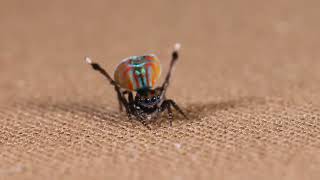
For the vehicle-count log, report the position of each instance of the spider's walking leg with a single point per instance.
(174, 58)
(141, 119)
(144, 122)
(131, 104)
(170, 115)
(167, 106)
(130, 99)
(117, 88)
(120, 103)
(170, 101)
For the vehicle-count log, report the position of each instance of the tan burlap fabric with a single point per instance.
(248, 77)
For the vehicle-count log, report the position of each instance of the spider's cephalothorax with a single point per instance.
(148, 99)
(138, 74)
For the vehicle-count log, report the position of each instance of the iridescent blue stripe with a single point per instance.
(137, 65)
(141, 83)
(145, 80)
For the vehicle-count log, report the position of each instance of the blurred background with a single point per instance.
(231, 50)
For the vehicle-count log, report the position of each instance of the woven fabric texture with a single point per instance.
(248, 78)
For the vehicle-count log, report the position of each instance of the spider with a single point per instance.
(138, 74)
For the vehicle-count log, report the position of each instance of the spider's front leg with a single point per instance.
(174, 58)
(122, 100)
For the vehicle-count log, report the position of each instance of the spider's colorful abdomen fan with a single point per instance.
(138, 72)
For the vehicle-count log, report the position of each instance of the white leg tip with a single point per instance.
(88, 60)
(177, 46)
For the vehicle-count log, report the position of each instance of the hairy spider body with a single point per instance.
(139, 74)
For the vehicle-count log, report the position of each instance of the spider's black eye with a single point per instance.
(154, 99)
(158, 97)
(147, 100)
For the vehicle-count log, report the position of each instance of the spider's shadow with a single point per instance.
(111, 116)
(197, 111)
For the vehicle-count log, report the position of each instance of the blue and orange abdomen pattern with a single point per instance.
(138, 72)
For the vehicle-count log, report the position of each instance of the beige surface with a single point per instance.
(248, 77)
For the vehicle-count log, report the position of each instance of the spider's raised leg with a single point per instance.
(117, 88)
(174, 58)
